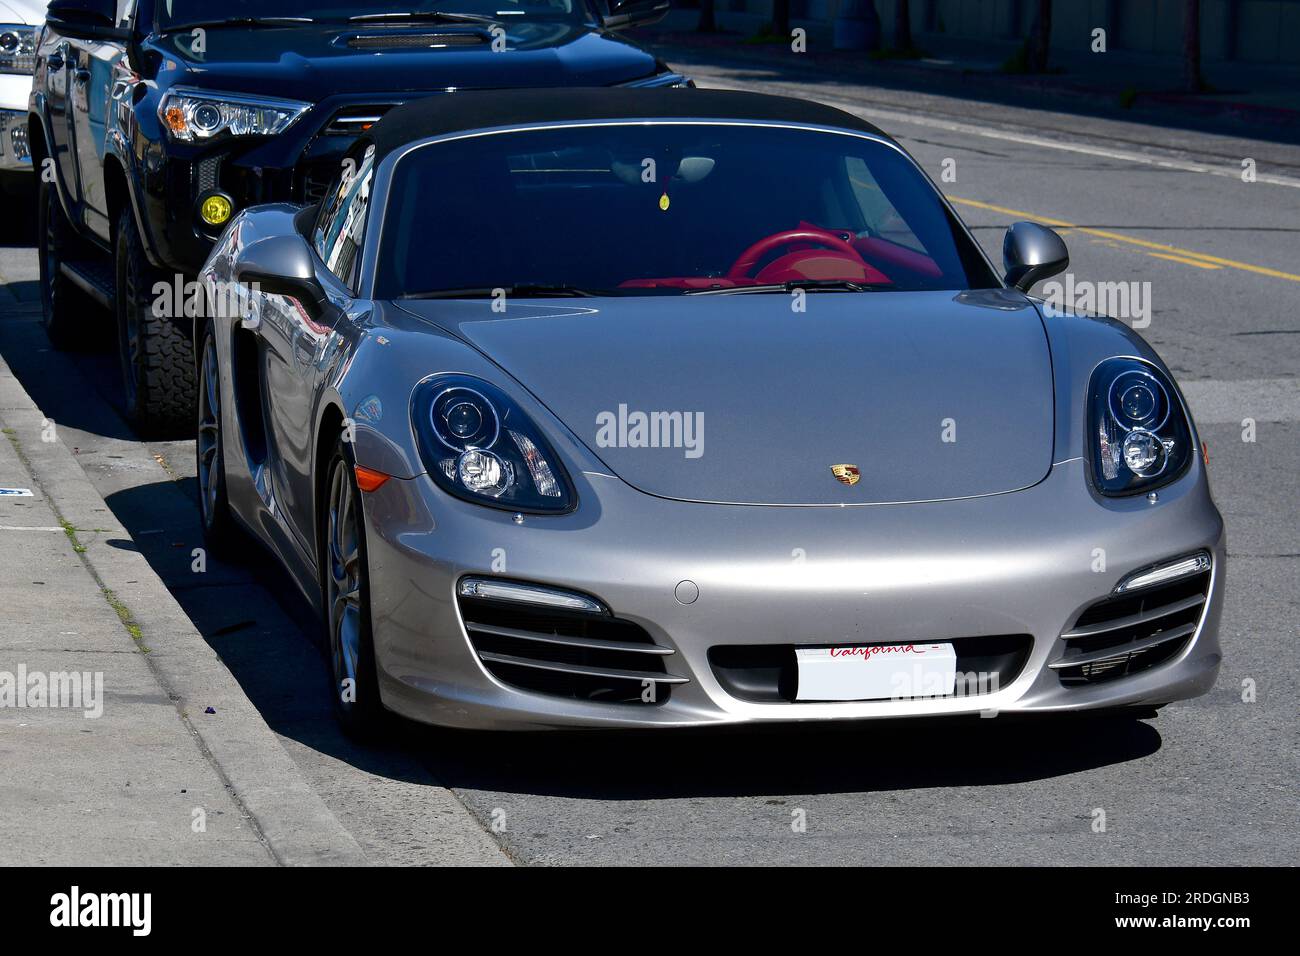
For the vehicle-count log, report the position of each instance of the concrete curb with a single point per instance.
(294, 823)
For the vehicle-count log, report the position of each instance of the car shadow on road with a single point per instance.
(863, 756)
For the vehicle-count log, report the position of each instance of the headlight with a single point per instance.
(189, 115)
(478, 445)
(1139, 435)
(17, 49)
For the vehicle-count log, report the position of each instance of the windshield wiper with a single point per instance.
(416, 15)
(523, 291)
(238, 22)
(810, 285)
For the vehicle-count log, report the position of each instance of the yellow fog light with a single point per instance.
(215, 209)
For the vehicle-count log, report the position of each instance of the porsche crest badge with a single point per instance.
(848, 474)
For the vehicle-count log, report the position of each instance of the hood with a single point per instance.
(931, 396)
(313, 62)
(22, 11)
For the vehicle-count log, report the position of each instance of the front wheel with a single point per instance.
(346, 591)
(156, 351)
(219, 531)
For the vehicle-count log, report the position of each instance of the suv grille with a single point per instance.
(568, 654)
(1128, 633)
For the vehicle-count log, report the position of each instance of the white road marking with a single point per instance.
(968, 129)
(1218, 402)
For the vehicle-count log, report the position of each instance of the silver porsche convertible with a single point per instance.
(666, 408)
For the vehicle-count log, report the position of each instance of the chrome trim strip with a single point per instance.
(1142, 617)
(565, 640)
(1126, 650)
(581, 669)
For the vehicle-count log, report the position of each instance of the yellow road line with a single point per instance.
(1131, 240)
(1184, 260)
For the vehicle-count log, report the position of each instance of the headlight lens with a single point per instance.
(1138, 432)
(17, 49)
(478, 445)
(190, 116)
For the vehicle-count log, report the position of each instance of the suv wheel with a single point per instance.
(68, 313)
(157, 352)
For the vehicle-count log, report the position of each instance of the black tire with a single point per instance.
(220, 533)
(351, 651)
(72, 319)
(156, 352)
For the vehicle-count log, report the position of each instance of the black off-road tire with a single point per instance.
(159, 377)
(72, 319)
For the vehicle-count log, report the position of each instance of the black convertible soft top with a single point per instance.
(445, 113)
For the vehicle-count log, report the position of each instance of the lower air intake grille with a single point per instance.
(576, 655)
(1128, 633)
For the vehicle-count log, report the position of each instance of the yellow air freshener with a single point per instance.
(663, 202)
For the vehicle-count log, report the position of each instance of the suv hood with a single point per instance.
(22, 11)
(867, 379)
(312, 62)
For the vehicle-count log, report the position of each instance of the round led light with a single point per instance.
(464, 419)
(216, 209)
(207, 118)
(1144, 454)
(483, 472)
(1138, 403)
(8, 42)
(1138, 400)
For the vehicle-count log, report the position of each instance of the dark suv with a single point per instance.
(155, 121)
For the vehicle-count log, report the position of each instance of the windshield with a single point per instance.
(177, 13)
(668, 209)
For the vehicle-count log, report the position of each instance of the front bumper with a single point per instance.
(14, 153)
(1013, 564)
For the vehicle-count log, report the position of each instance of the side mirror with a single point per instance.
(283, 265)
(634, 13)
(86, 20)
(1031, 253)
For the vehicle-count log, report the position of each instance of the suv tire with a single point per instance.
(156, 352)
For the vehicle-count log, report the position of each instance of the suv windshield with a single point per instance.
(178, 13)
(668, 208)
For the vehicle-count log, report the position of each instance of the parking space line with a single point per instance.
(1184, 260)
(1131, 240)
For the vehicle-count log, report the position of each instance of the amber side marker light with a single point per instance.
(369, 480)
(1205, 454)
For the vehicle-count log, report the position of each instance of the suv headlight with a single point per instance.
(17, 49)
(478, 445)
(1139, 435)
(190, 115)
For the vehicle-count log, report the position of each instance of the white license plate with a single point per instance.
(876, 672)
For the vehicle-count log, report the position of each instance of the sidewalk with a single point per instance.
(163, 763)
(1245, 96)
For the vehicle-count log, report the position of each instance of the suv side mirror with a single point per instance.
(283, 265)
(634, 13)
(1030, 253)
(86, 20)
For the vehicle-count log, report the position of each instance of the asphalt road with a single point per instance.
(1210, 781)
